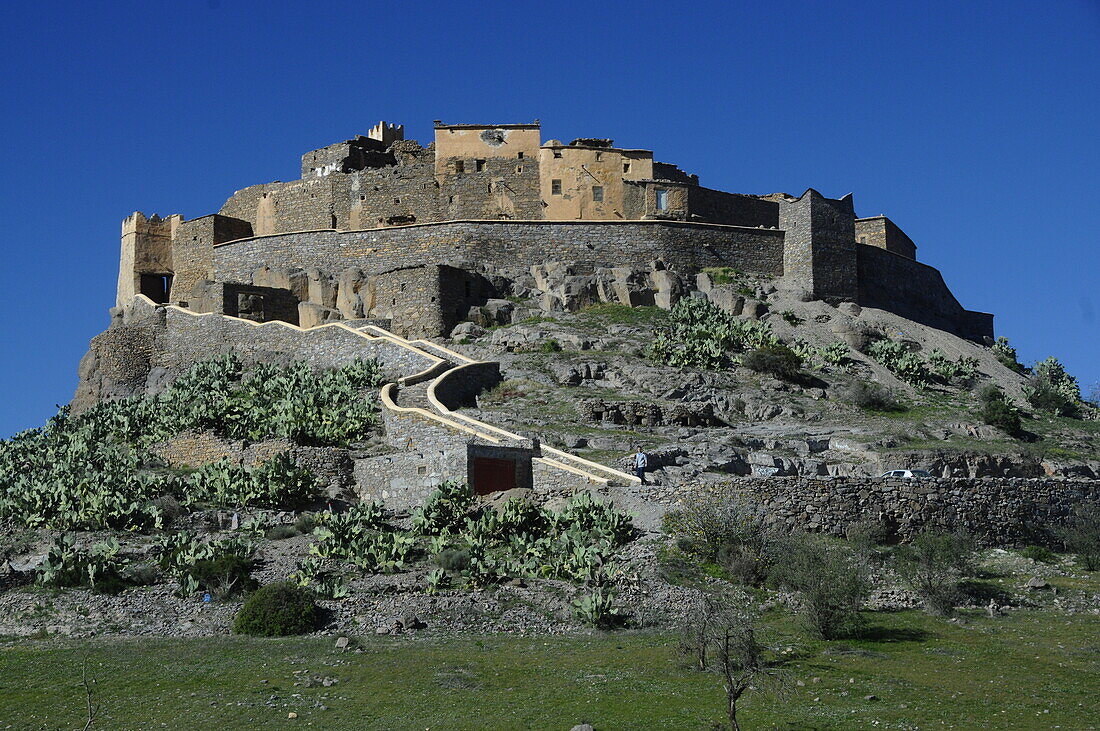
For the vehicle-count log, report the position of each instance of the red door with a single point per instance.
(493, 475)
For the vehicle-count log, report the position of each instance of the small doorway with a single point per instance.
(156, 287)
(493, 475)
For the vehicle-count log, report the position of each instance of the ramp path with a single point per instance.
(420, 393)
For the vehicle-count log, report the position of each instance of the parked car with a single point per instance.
(908, 474)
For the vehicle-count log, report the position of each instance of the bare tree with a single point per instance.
(89, 683)
(722, 636)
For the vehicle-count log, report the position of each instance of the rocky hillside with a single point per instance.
(743, 377)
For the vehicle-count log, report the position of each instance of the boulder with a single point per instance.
(312, 315)
(467, 330)
(348, 298)
(320, 289)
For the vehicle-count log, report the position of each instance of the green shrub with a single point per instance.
(199, 564)
(96, 470)
(67, 566)
(453, 559)
(445, 510)
(872, 396)
(791, 319)
(224, 575)
(729, 532)
(1005, 353)
(550, 346)
(1080, 533)
(900, 361)
(277, 610)
(777, 360)
(867, 535)
(279, 484)
(282, 532)
(598, 608)
(1052, 389)
(996, 411)
(932, 565)
(698, 334)
(963, 369)
(1042, 554)
(833, 584)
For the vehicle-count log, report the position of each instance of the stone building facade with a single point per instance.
(382, 227)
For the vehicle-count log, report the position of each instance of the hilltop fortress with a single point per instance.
(415, 238)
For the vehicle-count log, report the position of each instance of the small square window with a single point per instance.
(662, 200)
(460, 166)
(519, 168)
(555, 187)
(557, 153)
(597, 193)
(479, 165)
(599, 156)
(396, 200)
(422, 470)
(519, 156)
(626, 167)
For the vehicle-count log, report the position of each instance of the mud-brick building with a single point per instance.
(383, 228)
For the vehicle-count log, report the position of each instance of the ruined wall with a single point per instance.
(715, 206)
(411, 298)
(995, 511)
(917, 292)
(509, 244)
(342, 157)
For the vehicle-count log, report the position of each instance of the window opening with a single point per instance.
(597, 193)
(626, 167)
(555, 187)
(662, 200)
(460, 166)
(479, 165)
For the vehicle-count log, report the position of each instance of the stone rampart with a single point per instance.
(994, 511)
(508, 244)
(915, 291)
(192, 338)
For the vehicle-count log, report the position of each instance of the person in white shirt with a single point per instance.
(641, 461)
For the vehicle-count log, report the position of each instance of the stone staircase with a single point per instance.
(418, 393)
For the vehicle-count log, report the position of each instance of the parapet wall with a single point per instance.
(993, 511)
(915, 291)
(508, 244)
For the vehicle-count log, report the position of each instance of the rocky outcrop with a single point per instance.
(639, 413)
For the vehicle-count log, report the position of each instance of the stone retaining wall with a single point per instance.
(508, 244)
(995, 511)
(190, 339)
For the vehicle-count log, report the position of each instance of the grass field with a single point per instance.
(1031, 669)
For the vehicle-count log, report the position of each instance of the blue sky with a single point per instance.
(974, 126)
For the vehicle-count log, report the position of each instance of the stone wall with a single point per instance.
(190, 338)
(195, 449)
(994, 511)
(147, 346)
(715, 206)
(460, 386)
(509, 244)
(915, 291)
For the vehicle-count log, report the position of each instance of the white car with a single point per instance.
(908, 474)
